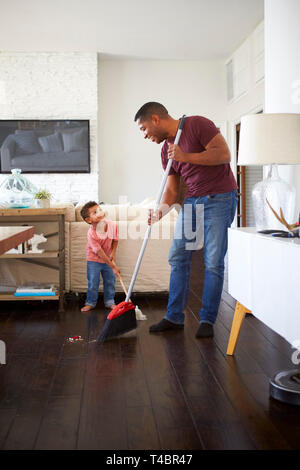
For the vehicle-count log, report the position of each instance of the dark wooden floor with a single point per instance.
(166, 391)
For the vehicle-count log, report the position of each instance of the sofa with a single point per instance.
(131, 221)
(41, 150)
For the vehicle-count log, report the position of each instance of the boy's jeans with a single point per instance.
(207, 218)
(93, 275)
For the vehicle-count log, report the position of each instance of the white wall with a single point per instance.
(282, 69)
(53, 86)
(251, 54)
(128, 164)
(282, 60)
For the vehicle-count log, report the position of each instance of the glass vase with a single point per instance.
(16, 191)
(279, 194)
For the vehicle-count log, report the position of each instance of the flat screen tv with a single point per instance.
(52, 146)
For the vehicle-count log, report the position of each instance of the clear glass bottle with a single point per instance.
(16, 191)
(280, 195)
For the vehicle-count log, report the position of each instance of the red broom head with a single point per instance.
(119, 321)
(119, 309)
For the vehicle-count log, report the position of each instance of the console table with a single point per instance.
(264, 278)
(30, 216)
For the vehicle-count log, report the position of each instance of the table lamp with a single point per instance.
(271, 139)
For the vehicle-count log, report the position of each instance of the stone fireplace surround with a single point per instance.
(49, 85)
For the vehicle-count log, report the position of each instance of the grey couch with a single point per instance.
(41, 150)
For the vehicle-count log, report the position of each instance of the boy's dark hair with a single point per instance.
(85, 209)
(148, 109)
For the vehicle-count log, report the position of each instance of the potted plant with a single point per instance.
(42, 198)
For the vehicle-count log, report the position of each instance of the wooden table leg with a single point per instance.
(61, 231)
(239, 315)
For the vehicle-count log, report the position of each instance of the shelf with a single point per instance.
(8, 296)
(33, 216)
(31, 211)
(46, 254)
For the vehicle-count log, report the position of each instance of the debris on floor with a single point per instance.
(73, 339)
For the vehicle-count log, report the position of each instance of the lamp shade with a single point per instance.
(266, 139)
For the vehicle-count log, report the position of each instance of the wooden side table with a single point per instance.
(30, 216)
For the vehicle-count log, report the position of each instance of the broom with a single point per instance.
(123, 317)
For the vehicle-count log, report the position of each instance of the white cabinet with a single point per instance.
(245, 68)
(263, 275)
(258, 53)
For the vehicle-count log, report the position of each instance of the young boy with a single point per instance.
(101, 255)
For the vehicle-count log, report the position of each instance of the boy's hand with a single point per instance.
(115, 269)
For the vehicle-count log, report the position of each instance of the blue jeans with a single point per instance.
(203, 220)
(93, 275)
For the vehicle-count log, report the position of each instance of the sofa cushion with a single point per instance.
(69, 212)
(51, 143)
(77, 140)
(26, 143)
(134, 212)
(140, 213)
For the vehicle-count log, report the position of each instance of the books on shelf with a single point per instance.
(32, 294)
(35, 290)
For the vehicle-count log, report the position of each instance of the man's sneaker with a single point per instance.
(205, 330)
(165, 325)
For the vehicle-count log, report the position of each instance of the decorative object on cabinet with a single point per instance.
(271, 139)
(34, 242)
(292, 228)
(16, 191)
(42, 199)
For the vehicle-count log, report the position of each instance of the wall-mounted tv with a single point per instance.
(52, 146)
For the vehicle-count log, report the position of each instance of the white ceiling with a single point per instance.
(149, 29)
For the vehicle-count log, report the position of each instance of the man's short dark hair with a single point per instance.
(85, 209)
(148, 109)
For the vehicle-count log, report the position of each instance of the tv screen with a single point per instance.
(60, 146)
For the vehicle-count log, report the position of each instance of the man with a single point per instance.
(201, 159)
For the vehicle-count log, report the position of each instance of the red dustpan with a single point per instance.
(122, 318)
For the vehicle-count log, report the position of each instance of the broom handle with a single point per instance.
(121, 281)
(123, 286)
(158, 199)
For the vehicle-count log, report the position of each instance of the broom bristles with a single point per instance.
(118, 326)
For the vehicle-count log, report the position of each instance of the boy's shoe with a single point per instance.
(165, 325)
(205, 330)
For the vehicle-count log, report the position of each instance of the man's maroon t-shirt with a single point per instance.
(201, 180)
